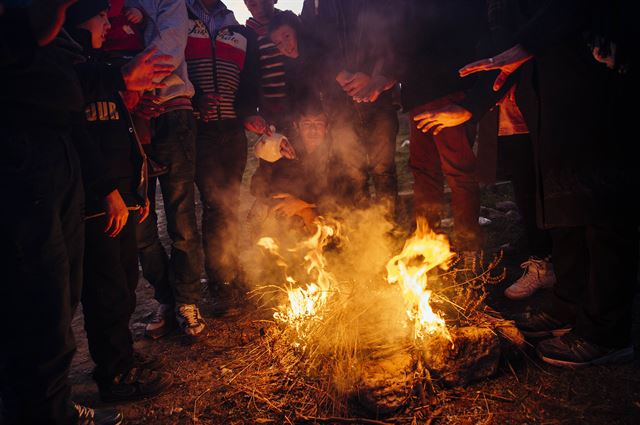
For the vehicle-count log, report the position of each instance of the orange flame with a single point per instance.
(422, 252)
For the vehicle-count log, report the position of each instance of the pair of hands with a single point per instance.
(117, 213)
(290, 206)
(363, 87)
(453, 115)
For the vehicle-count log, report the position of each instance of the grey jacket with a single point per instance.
(166, 30)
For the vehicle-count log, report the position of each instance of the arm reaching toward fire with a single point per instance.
(507, 62)
(290, 206)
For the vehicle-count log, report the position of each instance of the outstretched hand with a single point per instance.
(436, 120)
(507, 62)
(146, 71)
(374, 88)
(290, 206)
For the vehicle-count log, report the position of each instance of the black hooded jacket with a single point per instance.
(109, 125)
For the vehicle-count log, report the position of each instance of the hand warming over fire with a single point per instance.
(436, 120)
(256, 124)
(376, 86)
(142, 72)
(352, 83)
(291, 206)
(286, 149)
(507, 62)
(116, 212)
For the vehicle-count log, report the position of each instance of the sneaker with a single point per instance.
(537, 274)
(540, 325)
(571, 350)
(161, 322)
(88, 416)
(136, 384)
(190, 320)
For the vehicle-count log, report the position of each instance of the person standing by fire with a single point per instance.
(177, 287)
(350, 37)
(44, 229)
(275, 101)
(223, 65)
(111, 257)
(586, 66)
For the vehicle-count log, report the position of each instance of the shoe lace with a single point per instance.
(190, 313)
(85, 412)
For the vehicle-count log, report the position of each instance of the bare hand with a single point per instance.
(290, 206)
(451, 115)
(144, 211)
(376, 86)
(507, 62)
(206, 103)
(140, 72)
(117, 213)
(357, 82)
(286, 149)
(256, 124)
(148, 107)
(133, 15)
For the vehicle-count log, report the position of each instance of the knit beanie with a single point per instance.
(83, 10)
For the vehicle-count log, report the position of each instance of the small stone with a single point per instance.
(506, 206)
(513, 215)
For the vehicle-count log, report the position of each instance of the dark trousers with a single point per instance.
(222, 157)
(173, 142)
(43, 233)
(153, 258)
(515, 158)
(432, 158)
(597, 271)
(109, 296)
(364, 144)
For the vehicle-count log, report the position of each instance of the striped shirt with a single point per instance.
(220, 74)
(273, 84)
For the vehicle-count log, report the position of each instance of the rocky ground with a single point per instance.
(209, 385)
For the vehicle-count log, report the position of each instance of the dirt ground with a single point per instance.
(208, 387)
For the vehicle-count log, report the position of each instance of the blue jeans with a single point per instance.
(222, 157)
(173, 140)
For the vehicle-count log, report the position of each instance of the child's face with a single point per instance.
(261, 10)
(286, 41)
(313, 130)
(98, 26)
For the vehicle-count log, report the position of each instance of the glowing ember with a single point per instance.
(422, 252)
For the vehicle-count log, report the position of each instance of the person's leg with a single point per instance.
(222, 157)
(605, 314)
(174, 144)
(428, 180)
(106, 301)
(458, 164)
(153, 258)
(41, 177)
(517, 159)
(380, 142)
(351, 159)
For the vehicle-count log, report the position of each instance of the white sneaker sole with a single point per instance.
(624, 355)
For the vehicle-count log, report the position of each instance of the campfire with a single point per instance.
(365, 326)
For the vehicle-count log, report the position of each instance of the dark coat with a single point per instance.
(109, 126)
(438, 37)
(576, 109)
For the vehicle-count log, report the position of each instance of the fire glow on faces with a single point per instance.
(98, 26)
(286, 40)
(313, 130)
